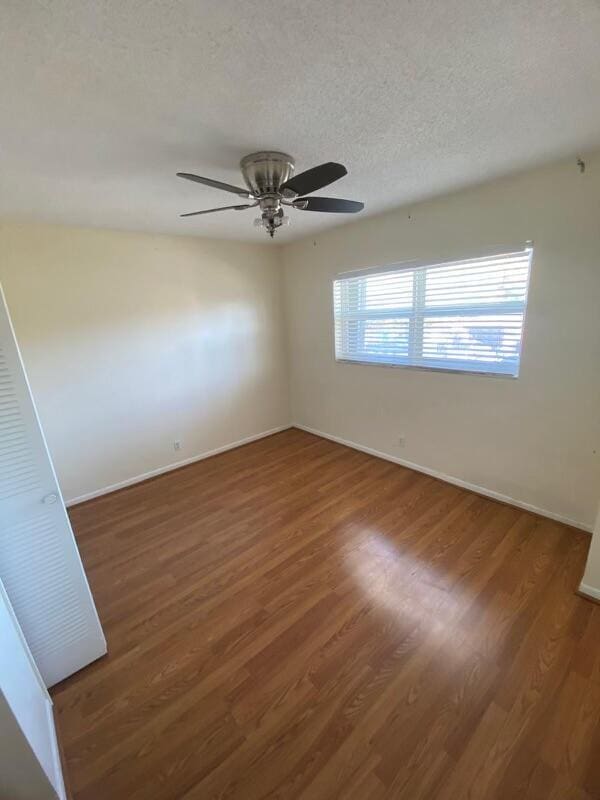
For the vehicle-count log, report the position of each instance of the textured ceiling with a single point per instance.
(102, 102)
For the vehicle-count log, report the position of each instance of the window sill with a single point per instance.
(445, 370)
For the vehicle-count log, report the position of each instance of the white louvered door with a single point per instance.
(39, 561)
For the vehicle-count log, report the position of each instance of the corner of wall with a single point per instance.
(281, 251)
(590, 583)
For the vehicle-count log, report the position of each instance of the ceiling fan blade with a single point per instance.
(227, 187)
(330, 204)
(222, 208)
(313, 179)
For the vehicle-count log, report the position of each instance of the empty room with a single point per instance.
(299, 400)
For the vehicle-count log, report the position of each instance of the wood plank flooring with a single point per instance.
(295, 619)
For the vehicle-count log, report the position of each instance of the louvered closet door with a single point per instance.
(39, 562)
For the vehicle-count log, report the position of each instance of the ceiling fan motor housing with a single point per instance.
(264, 172)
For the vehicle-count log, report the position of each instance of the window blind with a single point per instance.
(457, 315)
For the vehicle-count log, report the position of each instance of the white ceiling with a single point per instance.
(102, 102)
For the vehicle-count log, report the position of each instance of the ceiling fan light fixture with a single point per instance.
(263, 222)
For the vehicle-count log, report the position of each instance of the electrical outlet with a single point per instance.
(177, 445)
(401, 440)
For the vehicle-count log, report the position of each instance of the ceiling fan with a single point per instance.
(269, 176)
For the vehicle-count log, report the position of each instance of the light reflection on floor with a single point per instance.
(400, 583)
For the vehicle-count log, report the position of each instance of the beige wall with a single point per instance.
(536, 439)
(133, 341)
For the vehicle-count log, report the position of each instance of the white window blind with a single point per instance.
(457, 315)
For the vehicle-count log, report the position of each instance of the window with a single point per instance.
(457, 315)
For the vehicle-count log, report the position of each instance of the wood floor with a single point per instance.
(295, 619)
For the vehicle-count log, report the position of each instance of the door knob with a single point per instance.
(50, 498)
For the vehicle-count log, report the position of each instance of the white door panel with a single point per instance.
(39, 561)
(29, 759)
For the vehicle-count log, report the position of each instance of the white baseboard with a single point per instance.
(589, 591)
(169, 467)
(449, 479)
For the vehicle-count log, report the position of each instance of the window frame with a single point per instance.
(415, 264)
